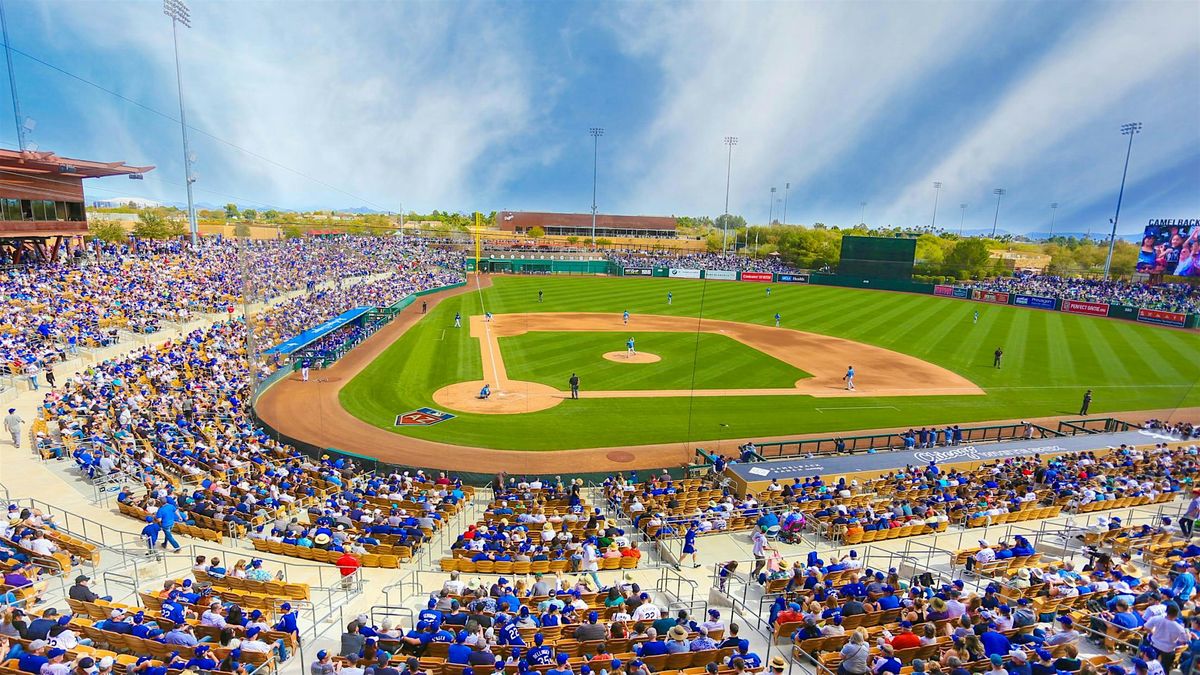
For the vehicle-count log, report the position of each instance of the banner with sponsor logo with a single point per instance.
(943, 289)
(793, 278)
(760, 277)
(638, 271)
(721, 275)
(990, 296)
(684, 273)
(960, 292)
(1081, 307)
(1162, 318)
(1035, 301)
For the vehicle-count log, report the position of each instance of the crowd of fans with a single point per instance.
(705, 261)
(1183, 298)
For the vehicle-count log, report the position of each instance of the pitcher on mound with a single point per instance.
(629, 350)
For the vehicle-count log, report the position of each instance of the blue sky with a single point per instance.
(466, 106)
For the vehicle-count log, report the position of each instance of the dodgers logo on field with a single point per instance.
(422, 417)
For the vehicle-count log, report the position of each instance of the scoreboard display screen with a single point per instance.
(881, 257)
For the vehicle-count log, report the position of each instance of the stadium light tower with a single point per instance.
(1130, 130)
(729, 141)
(999, 192)
(962, 216)
(937, 188)
(862, 215)
(786, 187)
(1053, 212)
(179, 13)
(596, 133)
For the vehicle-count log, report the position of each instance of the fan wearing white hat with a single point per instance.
(984, 555)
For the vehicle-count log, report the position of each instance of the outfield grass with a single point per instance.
(1050, 359)
(549, 357)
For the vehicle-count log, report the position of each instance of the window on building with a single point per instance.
(10, 208)
(75, 211)
(26, 209)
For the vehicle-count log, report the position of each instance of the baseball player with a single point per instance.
(629, 347)
(996, 356)
(304, 370)
(670, 296)
(976, 319)
(625, 316)
(768, 291)
(849, 378)
(777, 318)
(539, 296)
(487, 316)
(457, 320)
(574, 382)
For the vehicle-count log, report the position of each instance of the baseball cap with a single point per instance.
(82, 578)
(107, 662)
(322, 654)
(56, 652)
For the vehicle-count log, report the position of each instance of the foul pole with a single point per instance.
(477, 244)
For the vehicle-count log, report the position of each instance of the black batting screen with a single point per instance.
(879, 257)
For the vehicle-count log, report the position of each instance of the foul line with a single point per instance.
(861, 407)
(443, 335)
(487, 330)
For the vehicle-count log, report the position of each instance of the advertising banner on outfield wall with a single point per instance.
(760, 277)
(990, 296)
(793, 278)
(1162, 318)
(639, 271)
(960, 292)
(943, 289)
(721, 275)
(1081, 307)
(1035, 301)
(684, 273)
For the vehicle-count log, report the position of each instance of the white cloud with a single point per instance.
(798, 83)
(391, 102)
(1054, 132)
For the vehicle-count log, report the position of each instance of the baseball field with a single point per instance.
(713, 365)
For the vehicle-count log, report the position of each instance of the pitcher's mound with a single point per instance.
(625, 357)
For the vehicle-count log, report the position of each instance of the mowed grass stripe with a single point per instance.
(1100, 340)
(1135, 353)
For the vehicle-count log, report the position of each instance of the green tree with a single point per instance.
(271, 214)
(969, 258)
(572, 240)
(250, 214)
(242, 230)
(603, 243)
(536, 232)
(150, 225)
(292, 232)
(231, 210)
(176, 227)
(107, 230)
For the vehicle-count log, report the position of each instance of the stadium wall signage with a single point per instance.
(990, 296)
(1174, 222)
(963, 293)
(721, 275)
(684, 273)
(1081, 307)
(1162, 318)
(759, 277)
(422, 417)
(1035, 301)
(943, 289)
(793, 278)
(638, 271)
